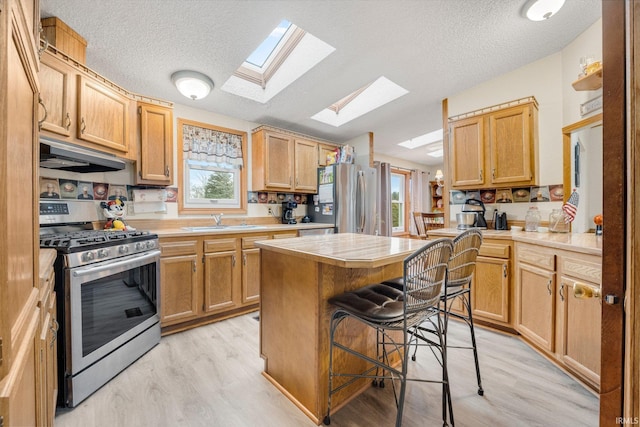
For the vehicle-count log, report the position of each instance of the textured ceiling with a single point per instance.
(433, 48)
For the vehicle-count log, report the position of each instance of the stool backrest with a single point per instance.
(462, 263)
(425, 272)
(422, 231)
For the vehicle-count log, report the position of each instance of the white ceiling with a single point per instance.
(432, 48)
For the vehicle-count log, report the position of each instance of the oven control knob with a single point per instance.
(151, 244)
(103, 253)
(139, 246)
(88, 256)
(123, 250)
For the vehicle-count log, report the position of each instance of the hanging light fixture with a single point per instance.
(539, 10)
(192, 84)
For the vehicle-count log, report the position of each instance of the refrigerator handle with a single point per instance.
(362, 190)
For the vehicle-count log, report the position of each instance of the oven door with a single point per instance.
(109, 304)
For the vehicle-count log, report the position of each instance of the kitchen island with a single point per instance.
(298, 278)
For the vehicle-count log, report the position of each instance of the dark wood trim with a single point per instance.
(614, 209)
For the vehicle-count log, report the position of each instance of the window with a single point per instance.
(400, 196)
(211, 173)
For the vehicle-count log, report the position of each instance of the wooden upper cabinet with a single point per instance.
(103, 115)
(511, 146)
(499, 148)
(467, 152)
(155, 162)
(57, 92)
(323, 151)
(306, 165)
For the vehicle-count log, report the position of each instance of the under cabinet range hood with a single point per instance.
(58, 155)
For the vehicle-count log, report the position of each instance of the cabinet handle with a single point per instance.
(297, 182)
(68, 125)
(44, 107)
(166, 171)
(562, 291)
(504, 270)
(83, 125)
(194, 265)
(290, 180)
(233, 261)
(493, 174)
(46, 42)
(244, 259)
(481, 175)
(549, 286)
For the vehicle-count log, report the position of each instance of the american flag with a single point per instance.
(570, 208)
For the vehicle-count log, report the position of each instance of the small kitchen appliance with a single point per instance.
(500, 220)
(474, 206)
(288, 216)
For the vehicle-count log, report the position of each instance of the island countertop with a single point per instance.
(347, 250)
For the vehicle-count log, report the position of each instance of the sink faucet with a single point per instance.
(218, 218)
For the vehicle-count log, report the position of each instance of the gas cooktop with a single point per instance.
(73, 241)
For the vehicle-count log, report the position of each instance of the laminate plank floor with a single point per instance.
(211, 376)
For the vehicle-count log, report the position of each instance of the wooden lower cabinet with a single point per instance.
(491, 284)
(564, 322)
(207, 278)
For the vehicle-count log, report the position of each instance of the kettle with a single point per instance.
(499, 220)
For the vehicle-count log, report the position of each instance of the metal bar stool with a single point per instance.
(386, 310)
(461, 267)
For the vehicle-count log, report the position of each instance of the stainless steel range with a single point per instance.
(107, 287)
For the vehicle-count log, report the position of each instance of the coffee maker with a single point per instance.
(288, 216)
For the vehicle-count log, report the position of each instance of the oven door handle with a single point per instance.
(128, 262)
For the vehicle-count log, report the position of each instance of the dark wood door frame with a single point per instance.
(614, 238)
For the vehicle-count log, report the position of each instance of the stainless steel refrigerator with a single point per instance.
(355, 198)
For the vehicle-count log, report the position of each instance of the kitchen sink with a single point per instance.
(224, 227)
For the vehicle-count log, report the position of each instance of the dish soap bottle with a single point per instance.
(532, 219)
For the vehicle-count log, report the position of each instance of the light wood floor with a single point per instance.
(210, 376)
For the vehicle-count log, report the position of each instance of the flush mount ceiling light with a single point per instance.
(539, 10)
(192, 84)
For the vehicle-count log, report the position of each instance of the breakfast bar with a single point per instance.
(299, 276)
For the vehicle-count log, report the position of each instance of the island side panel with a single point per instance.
(294, 327)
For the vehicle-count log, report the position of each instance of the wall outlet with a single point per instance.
(270, 211)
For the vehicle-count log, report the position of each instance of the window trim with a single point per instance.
(407, 200)
(182, 191)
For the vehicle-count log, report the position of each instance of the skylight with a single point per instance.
(283, 57)
(366, 99)
(266, 48)
(427, 138)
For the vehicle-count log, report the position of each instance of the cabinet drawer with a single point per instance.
(532, 255)
(494, 250)
(250, 242)
(219, 245)
(285, 235)
(186, 247)
(581, 269)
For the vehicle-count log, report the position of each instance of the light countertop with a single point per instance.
(262, 228)
(346, 249)
(587, 243)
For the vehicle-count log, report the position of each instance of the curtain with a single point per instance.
(222, 149)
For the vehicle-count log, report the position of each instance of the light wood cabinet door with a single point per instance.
(535, 297)
(510, 145)
(306, 166)
(179, 289)
(155, 164)
(490, 290)
(103, 115)
(278, 162)
(467, 152)
(57, 92)
(220, 274)
(250, 276)
(579, 328)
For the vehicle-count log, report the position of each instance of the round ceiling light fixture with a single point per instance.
(192, 84)
(539, 10)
